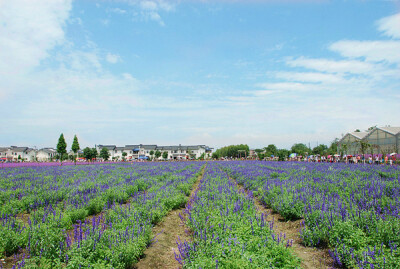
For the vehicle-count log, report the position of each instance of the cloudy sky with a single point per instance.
(196, 72)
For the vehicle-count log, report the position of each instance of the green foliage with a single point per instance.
(157, 154)
(89, 153)
(75, 145)
(105, 154)
(165, 155)
(61, 146)
(270, 150)
(321, 149)
(232, 151)
(300, 149)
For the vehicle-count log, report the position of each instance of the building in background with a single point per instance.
(140, 151)
(378, 140)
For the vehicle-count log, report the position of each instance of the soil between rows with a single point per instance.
(311, 258)
(161, 254)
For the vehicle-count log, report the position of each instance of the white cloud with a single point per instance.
(29, 30)
(390, 26)
(148, 5)
(113, 58)
(118, 10)
(312, 77)
(372, 51)
(332, 66)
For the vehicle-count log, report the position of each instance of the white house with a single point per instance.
(14, 153)
(140, 151)
(45, 154)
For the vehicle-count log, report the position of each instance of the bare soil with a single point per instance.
(161, 254)
(310, 257)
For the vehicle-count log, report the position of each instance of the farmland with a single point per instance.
(105, 215)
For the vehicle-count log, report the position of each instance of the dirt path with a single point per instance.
(311, 258)
(161, 254)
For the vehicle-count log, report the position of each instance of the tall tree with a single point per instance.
(61, 147)
(157, 154)
(151, 153)
(75, 147)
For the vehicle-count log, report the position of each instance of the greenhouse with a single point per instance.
(379, 140)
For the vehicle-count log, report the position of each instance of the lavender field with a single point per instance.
(101, 216)
(351, 209)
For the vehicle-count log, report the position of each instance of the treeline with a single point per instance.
(237, 151)
(232, 151)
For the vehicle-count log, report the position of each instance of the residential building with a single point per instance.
(45, 154)
(140, 151)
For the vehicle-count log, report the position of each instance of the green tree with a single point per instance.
(157, 154)
(282, 154)
(271, 149)
(215, 155)
(75, 146)
(165, 155)
(333, 148)
(87, 153)
(61, 147)
(151, 153)
(320, 149)
(72, 157)
(300, 149)
(105, 154)
(202, 156)
(94, 153)
(233, 151)
(124, 154)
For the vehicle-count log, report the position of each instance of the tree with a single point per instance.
(151, 153)
(124, 154)
(75, 146)
(202, 156)
(261, 156)
(94, 153)
(157, 154)
(61, 147)
(71, 157)
(271, 149)
(105, 154)
(333, 148)
(300, 149)
(165, 155)
(214, 155)
(320, 149)
(233, 151)
(283, 154)
(87, 153)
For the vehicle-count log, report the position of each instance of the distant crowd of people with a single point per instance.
(369, 159)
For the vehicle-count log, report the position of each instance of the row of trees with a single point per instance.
(232, 151)
(236, 151)
(62, 147)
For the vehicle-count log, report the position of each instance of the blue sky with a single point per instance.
(196, 72)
